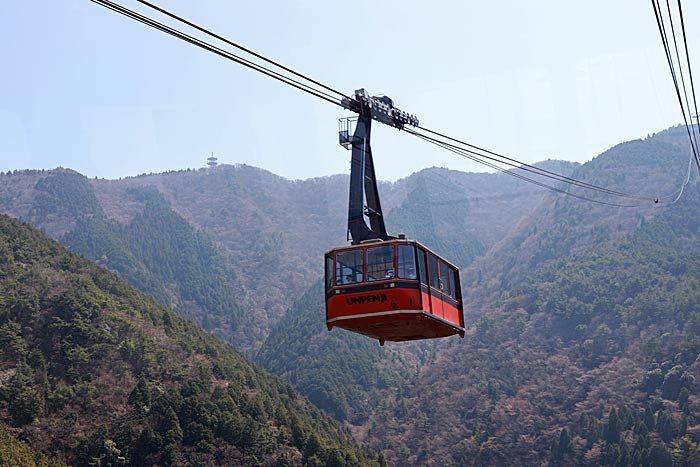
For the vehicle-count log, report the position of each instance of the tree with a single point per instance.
(683, 399)
(561, 447)
(673, 382)
(612, 455)
(313, 445)
(652, 380)
(170, 428)
(659, 456)
(140, 397)
(109, 455)
(284, 460)
(26, 403)
(335, 458)
(685, 452)
(565, 444)
(666, 426)
(12, 344)
(612, 428)
(649, 419)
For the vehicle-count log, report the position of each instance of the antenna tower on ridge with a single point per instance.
(212, 161)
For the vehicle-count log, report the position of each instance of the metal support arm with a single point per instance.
(364, 198)
(363, 187)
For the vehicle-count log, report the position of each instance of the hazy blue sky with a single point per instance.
(86, 88)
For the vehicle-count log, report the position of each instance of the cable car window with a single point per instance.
(380, 263)
(453, 285)
(445, 279)
(329, 272)
(433, 271)
(407, 262)
(349, 266)
(421, 266)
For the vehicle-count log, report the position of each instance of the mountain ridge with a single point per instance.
(269, 236)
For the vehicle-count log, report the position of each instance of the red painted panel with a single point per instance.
(452, 314)
(349, 304)
(425, 296)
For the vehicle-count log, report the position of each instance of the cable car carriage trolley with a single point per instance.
(388, 288)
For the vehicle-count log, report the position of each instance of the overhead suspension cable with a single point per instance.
(470, 155)
(239, 47)
(216, 50)
(690, 130)
(695, 103)
(680, 72)
(500, 158)
(678, 59)
(685, 183)
(690, 69)
(334, 100)
(514, 163)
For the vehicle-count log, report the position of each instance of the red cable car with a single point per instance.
(395, 290)
(389, 288)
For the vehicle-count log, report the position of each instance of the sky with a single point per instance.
(85, 88)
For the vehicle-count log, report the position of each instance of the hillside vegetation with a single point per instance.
(16, 454)
(583, 316)
(583, 349)
(589, 358)
(339, 371)
(96, 373)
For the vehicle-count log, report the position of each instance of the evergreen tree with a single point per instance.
(565, 444)
(660, 456)
(649, 419)
(170, 428)
(612, 427)
(140, 397)
(683, 399)
(665, 426)
(12, 345)
(672, 384)
(612, 454)
(26, 402)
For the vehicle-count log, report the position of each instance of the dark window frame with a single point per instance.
(355, 274)
(380, 269)
(422, 266)
(406, 262)
(433, 272)
(330, 271)
(445, 278)
(453, 283)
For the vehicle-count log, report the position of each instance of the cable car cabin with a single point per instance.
(393, 290)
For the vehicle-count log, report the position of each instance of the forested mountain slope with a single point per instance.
(582, 342)
(585, 331)
(649, 169)
(157, 250)
(588, 356)
(340, 372)
(96, 373)
(233, 247)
